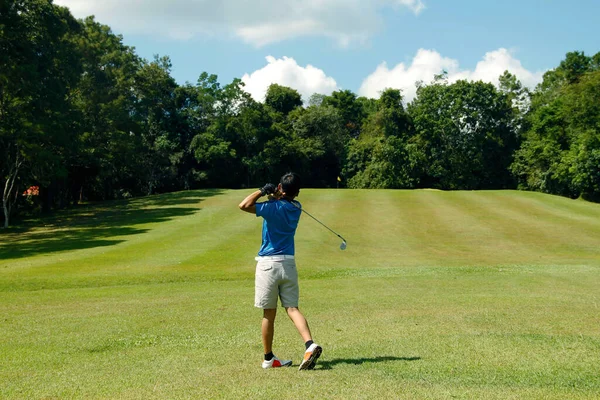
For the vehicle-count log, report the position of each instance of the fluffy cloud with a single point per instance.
(415, 5)
(428, 63)
(255, 22)
(286, 72)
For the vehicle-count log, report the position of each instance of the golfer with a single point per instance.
(276, 275)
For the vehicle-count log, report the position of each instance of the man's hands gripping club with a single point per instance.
(273, 191)
(249, 203)
(269, 189)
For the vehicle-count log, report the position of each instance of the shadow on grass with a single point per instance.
(329, 364)
(97, 225)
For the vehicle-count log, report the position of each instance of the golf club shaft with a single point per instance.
(307, 213)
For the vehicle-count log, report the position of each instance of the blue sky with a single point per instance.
(359, 45)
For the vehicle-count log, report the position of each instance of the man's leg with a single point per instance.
(300, 323)
(268, 328)
(313, 350)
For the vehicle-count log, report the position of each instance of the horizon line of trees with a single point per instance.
(83, 117)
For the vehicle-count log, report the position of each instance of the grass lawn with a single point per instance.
(441, 295)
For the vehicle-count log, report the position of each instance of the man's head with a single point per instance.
(289, 185)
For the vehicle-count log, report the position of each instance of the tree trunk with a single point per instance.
(8, 189)
(5, 213)
(6, 198)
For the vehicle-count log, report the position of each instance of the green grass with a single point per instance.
(440, 295)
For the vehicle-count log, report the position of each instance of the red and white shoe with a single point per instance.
(310, 357)
(276, 363)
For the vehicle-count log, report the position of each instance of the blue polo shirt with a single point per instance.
(279, 226)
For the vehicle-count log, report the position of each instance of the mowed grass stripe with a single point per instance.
(450, 230)
(89, 222)
(508, 240)
(428, 228)
(182, 240)
(316, 247)
(560, 211)
(379, 228)
(512, 237)
(453, 236)
(376, 224)
(177, 248)
(573, 209)
(575, 240)
(401, 228)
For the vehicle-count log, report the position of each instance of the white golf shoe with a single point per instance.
(276, 363)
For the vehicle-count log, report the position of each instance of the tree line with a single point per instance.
(83, 117)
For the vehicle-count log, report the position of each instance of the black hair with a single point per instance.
(290, 184)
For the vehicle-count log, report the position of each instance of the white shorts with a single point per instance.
(276, 277)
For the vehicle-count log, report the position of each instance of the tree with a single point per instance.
(316, 99)
(193, 114)
(517, 95)
(250, 130)
(561, 150)
(38, 65)
(216, 155)
(349, 108)
(9, 194)
(574, 66)
(465, 131)
(324, 129)
(282, 99)
(568, 72)
(390, 118)
(156, 114)
(383, 163)
(105, 158)
(384, 156)
(219, 150)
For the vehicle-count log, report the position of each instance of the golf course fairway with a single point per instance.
(439, 295)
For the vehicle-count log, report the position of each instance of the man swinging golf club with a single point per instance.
(276, 274)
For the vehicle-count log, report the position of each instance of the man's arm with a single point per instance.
(249, 203)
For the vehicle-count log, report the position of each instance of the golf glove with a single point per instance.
(269, 188)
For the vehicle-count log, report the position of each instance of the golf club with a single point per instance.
(342, 245)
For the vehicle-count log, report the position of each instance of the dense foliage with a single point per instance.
(82, 117)
(561, 149)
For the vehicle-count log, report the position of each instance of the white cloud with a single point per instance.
(286, 72)
(415, 5)
(496, 62)
(428, 63)
(424, 66)
(255, 22)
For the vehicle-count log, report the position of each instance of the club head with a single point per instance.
(343, 246)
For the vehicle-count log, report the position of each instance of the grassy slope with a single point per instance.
(439, 295)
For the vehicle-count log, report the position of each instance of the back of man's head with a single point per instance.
(290, 184)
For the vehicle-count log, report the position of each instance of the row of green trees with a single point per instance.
(82, 116)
